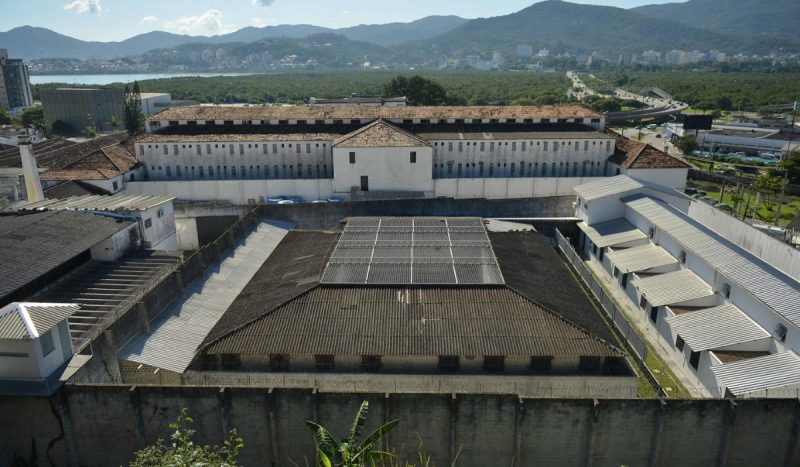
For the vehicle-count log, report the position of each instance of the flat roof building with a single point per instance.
(15, 83)
(720, 308)
(78, 108)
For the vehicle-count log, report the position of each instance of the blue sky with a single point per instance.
(106, 20)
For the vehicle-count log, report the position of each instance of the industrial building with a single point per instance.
(728, 316)
(15, 84)
(407, 300)
(255, 153)
(748, 139)
(78, 108)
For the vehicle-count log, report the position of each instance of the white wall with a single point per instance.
(388, 169)
(187, 238)
(116, 246)
(670, 178)
(248, 160)
(161, 233)
(234, 191)
(774, 252)
(34, 366)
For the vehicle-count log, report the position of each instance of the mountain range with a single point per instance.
(732, 25)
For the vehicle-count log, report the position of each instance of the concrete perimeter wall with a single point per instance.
(774, 252)
(103, 425)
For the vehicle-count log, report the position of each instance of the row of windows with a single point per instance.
(446, 363)
(523, 145)
(198, 148)
(531, 168)
(423, 121)
(412, 157)
(236, 172)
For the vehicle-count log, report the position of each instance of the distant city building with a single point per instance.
(676, 57)
(356, 100)
(543, 53)
(80, 108)
(154, 102)
(651, 56)
(15, 84)
(524, 51)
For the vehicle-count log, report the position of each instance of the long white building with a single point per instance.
(319, 152)
(729, 317)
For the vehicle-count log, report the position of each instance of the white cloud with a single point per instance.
(149, 19)
(258, 22)
(209, 22)
(85, 6)
(262, 2)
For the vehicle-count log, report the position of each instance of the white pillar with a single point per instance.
(33, 186)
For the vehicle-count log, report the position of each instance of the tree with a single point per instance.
(687, 144)
(132, 113)
(5, 119)
(350, 452)
(417, 90)
(607, 104)
(791, 163)
(113, 123)
(32, 115)
(183, 452)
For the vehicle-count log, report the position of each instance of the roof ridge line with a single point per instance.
(565, 320)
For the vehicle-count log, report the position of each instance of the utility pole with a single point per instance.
(786, 169)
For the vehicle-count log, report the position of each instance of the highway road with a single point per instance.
(656, 106)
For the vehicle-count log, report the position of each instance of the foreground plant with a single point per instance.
(350, 452)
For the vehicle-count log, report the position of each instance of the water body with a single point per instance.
(118, 78)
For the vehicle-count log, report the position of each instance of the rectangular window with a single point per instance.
(324, 363)
(483, 146)
(589, 364)
(371, 363)
(308, 148)
(352, 158)
(46, 340)
(297, 148)
(278, 362)
(546, 145)
(141, 150)
(694, 359)
(166, 150)
(654, 314)
(494, 364)
(585, 146)
(460, 146)
(541, 364)
(175, 149)
(364, 183)
(148, 223)
(514, 146)
(274, 148)
(230, 148)
(448, 364)
(413, 157)
(199, 150)
(450, 146)
(241, 149)
(491, 146)
(208, 149)
(679, 343)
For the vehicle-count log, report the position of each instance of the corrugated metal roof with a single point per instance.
(640, 258)
(612, 232)
(412, 322)
(607, 186)
(119, 203)
(766, 283)
(716, 327)
(673, 287)
(182, 328)
(769, 372)
(31, 320)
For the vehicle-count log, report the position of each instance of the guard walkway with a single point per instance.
(183, 326)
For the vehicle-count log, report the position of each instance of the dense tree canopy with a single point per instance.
(417, 90)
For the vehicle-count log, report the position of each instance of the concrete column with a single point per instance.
(519, 415)
(108, 355)
(722, 453)
(656, 443)
(136, 405)
(794, 445)
(386, 441)
(273, 428)
(225, 408)
(590, 434)
(141, 313)
(453, 421)
(66, 424)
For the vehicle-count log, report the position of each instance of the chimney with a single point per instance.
(33, 186)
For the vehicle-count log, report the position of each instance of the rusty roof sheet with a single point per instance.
(351, 112)
(632, 154)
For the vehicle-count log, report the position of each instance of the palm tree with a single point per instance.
(350, 452)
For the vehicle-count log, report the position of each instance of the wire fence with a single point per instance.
(625, 328)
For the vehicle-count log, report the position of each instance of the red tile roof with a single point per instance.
(354, 112)
(632, 154)
(379, 133)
